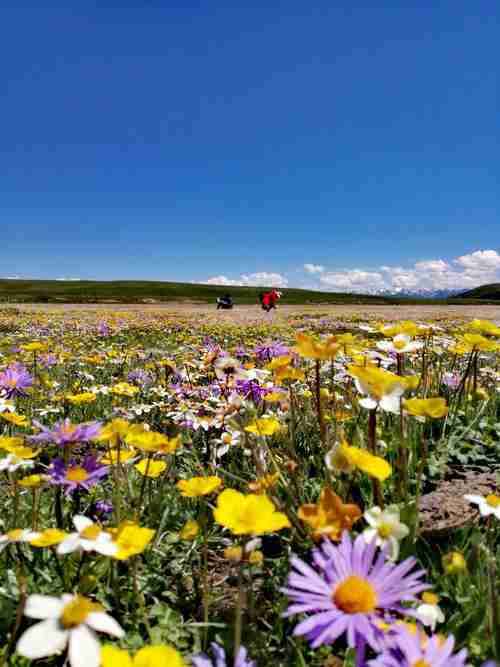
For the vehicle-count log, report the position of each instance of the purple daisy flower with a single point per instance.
(241, 659)
(354, 586)
(77, 475)
(418, 649)
(66, 433)
(268, 351)
(251, 389)
(14, 380)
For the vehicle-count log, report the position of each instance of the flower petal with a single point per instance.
(43, 606)
(43, 639)
(102, 622)
(84, 648)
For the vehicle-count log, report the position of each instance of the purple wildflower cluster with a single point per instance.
(77, 476)
(66, 433)
(268, 351)
(241, 660)
(14, 381)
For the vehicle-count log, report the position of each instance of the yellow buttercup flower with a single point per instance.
(308, 347)
(131, 539)
(190, 530)
(81, 399)
(124, 389)
(117, 455)
(435, 408)
(477, 342)
(32, 481)
(160, 655)
(150, 468)
(49, 538)
(248, 514)
(372, 465)
(14, 418)
(34, 347)
(454, 563)
(198, 486)
(264, 426)
(10, 443)
(484, 327)
(151, 441)
(114, 431)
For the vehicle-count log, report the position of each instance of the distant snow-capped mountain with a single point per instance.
(422, 293)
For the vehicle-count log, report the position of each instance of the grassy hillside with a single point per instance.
(488, 292)
(55, 291)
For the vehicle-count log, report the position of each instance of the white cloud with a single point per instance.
(465, 272)
(313, 268)
(261, 279)
(71, 280)
(353, 280)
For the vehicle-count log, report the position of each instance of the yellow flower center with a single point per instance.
(355, 596)
(430, 598)
(492, 500)
(421, 663)
(384, 530)
(15, 534)
(77, 474)
(399, 344)
(91, 532)
(76, 611)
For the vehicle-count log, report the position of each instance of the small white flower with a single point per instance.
(90, 537)
(400, 344)
(67, 621)
(13, 462)
(429, 612)
(487, 505)
(385, 528)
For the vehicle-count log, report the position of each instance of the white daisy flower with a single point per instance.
(400, 344)
(69, 621)
(12, 462)
(385, 528)
(90, 537)
(429, 612)
(487, 504)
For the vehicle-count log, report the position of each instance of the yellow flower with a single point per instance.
(288, 373)
(234, 554)
(330, 517)
(454, 563)
(366, 462)
(278, 363)
(410, 382)
(484, 327)
(264, 426)
(198, 486)
(131, 539)
(264, 483)
(151, 441)
(248, 514)
(149, 656)
(307, 346)
(115, 455)
(114, 431)
(124, 389)
(150, 468)
(49, 538)
(256, 558)
(478, 342)
(435, 408)
(24, 452)
(34, 347)
(32, 481)
(14, 418)
(190, 530)
(80, 399)
(10, 443)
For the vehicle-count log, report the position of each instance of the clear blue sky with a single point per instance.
(185, 140)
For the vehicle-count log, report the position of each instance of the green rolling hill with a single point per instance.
(485, 292)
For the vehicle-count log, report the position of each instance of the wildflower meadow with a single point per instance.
(306, 490)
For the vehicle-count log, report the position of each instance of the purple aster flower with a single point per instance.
(77, 475)
(354, 586)
(268, 351)
(241, 659)
(251, 389)
(66, 433)
(140, 377)
(103, 329)
(451, 380)
(14, 380)
(418, 649)
(47, 360)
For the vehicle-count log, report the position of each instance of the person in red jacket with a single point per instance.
(268, 299)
